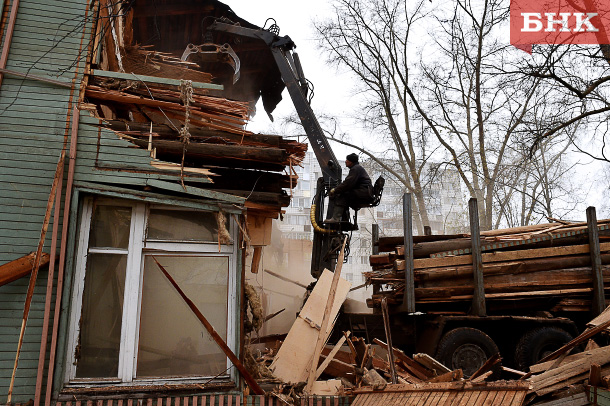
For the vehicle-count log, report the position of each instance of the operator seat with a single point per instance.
(377, 193)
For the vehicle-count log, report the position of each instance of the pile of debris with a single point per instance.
(372, 375)
(564, 379)
(186, 128)
(521, 266)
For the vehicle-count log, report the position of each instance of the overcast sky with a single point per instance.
(333, 91)
(295, 19)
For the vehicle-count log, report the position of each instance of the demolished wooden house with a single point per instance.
(123, 136)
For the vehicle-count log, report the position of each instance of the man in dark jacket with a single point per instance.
(356, 189)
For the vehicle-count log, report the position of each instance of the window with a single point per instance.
(128, 323)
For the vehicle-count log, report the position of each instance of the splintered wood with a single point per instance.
(543, 265)
(293, 361)
(189, 129)
(21, 267)
(561, 378)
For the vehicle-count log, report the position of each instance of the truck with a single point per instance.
(462, 334)
(522, 292)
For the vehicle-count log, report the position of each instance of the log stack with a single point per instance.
(545, 267)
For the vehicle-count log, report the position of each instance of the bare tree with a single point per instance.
(371, 40)
(465, 103)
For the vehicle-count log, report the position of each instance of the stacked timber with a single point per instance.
(546, 267)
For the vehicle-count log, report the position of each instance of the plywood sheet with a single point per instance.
(293, 360)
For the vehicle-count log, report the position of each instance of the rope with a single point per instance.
(186, 96)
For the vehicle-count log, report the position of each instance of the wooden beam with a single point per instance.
(325, 319)
(62, 251)
(256, 259)
(285, 279)
(8, 37)
(478, 299)
(375, 238)
(388, 337)
(152, 79)
(199, 149)
(11, 271)
(502, 256)
(331, 355)
(36, 267)
(599, 300)
(217, 339)
(408, 299)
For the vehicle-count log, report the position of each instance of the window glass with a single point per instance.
(101, 317)
(173, 342)
(173, 225)
(110, 227)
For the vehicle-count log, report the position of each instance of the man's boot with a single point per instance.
(337, 215)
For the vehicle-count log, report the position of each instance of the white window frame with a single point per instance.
(137, 249)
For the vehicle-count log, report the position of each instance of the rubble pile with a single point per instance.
(362, 370)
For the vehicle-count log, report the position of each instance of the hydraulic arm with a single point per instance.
(325, 240)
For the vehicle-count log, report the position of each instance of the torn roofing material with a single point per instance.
(157, 86)
(172, 25)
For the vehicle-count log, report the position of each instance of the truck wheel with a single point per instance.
(538, 343)
(465, 348)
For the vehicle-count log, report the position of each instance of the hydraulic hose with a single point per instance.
(314, 223)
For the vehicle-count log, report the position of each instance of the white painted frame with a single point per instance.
(138, 247)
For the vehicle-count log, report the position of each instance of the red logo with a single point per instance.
(559, 22)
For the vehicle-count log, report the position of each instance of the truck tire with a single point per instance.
(465, 348)
(537, 343)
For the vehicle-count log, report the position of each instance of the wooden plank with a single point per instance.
(256, 259)
(497, 400)
(585, 335)
(502, 256)
(21, 267)
(326, 388)
(331, 355)
(293, 360)
(153, 79)
(478, 298)
(543, 366)
(599, 302)
(566, 374)
(36, 266)
(321, 339)
(430, 363)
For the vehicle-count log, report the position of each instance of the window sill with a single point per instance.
(118, 390)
